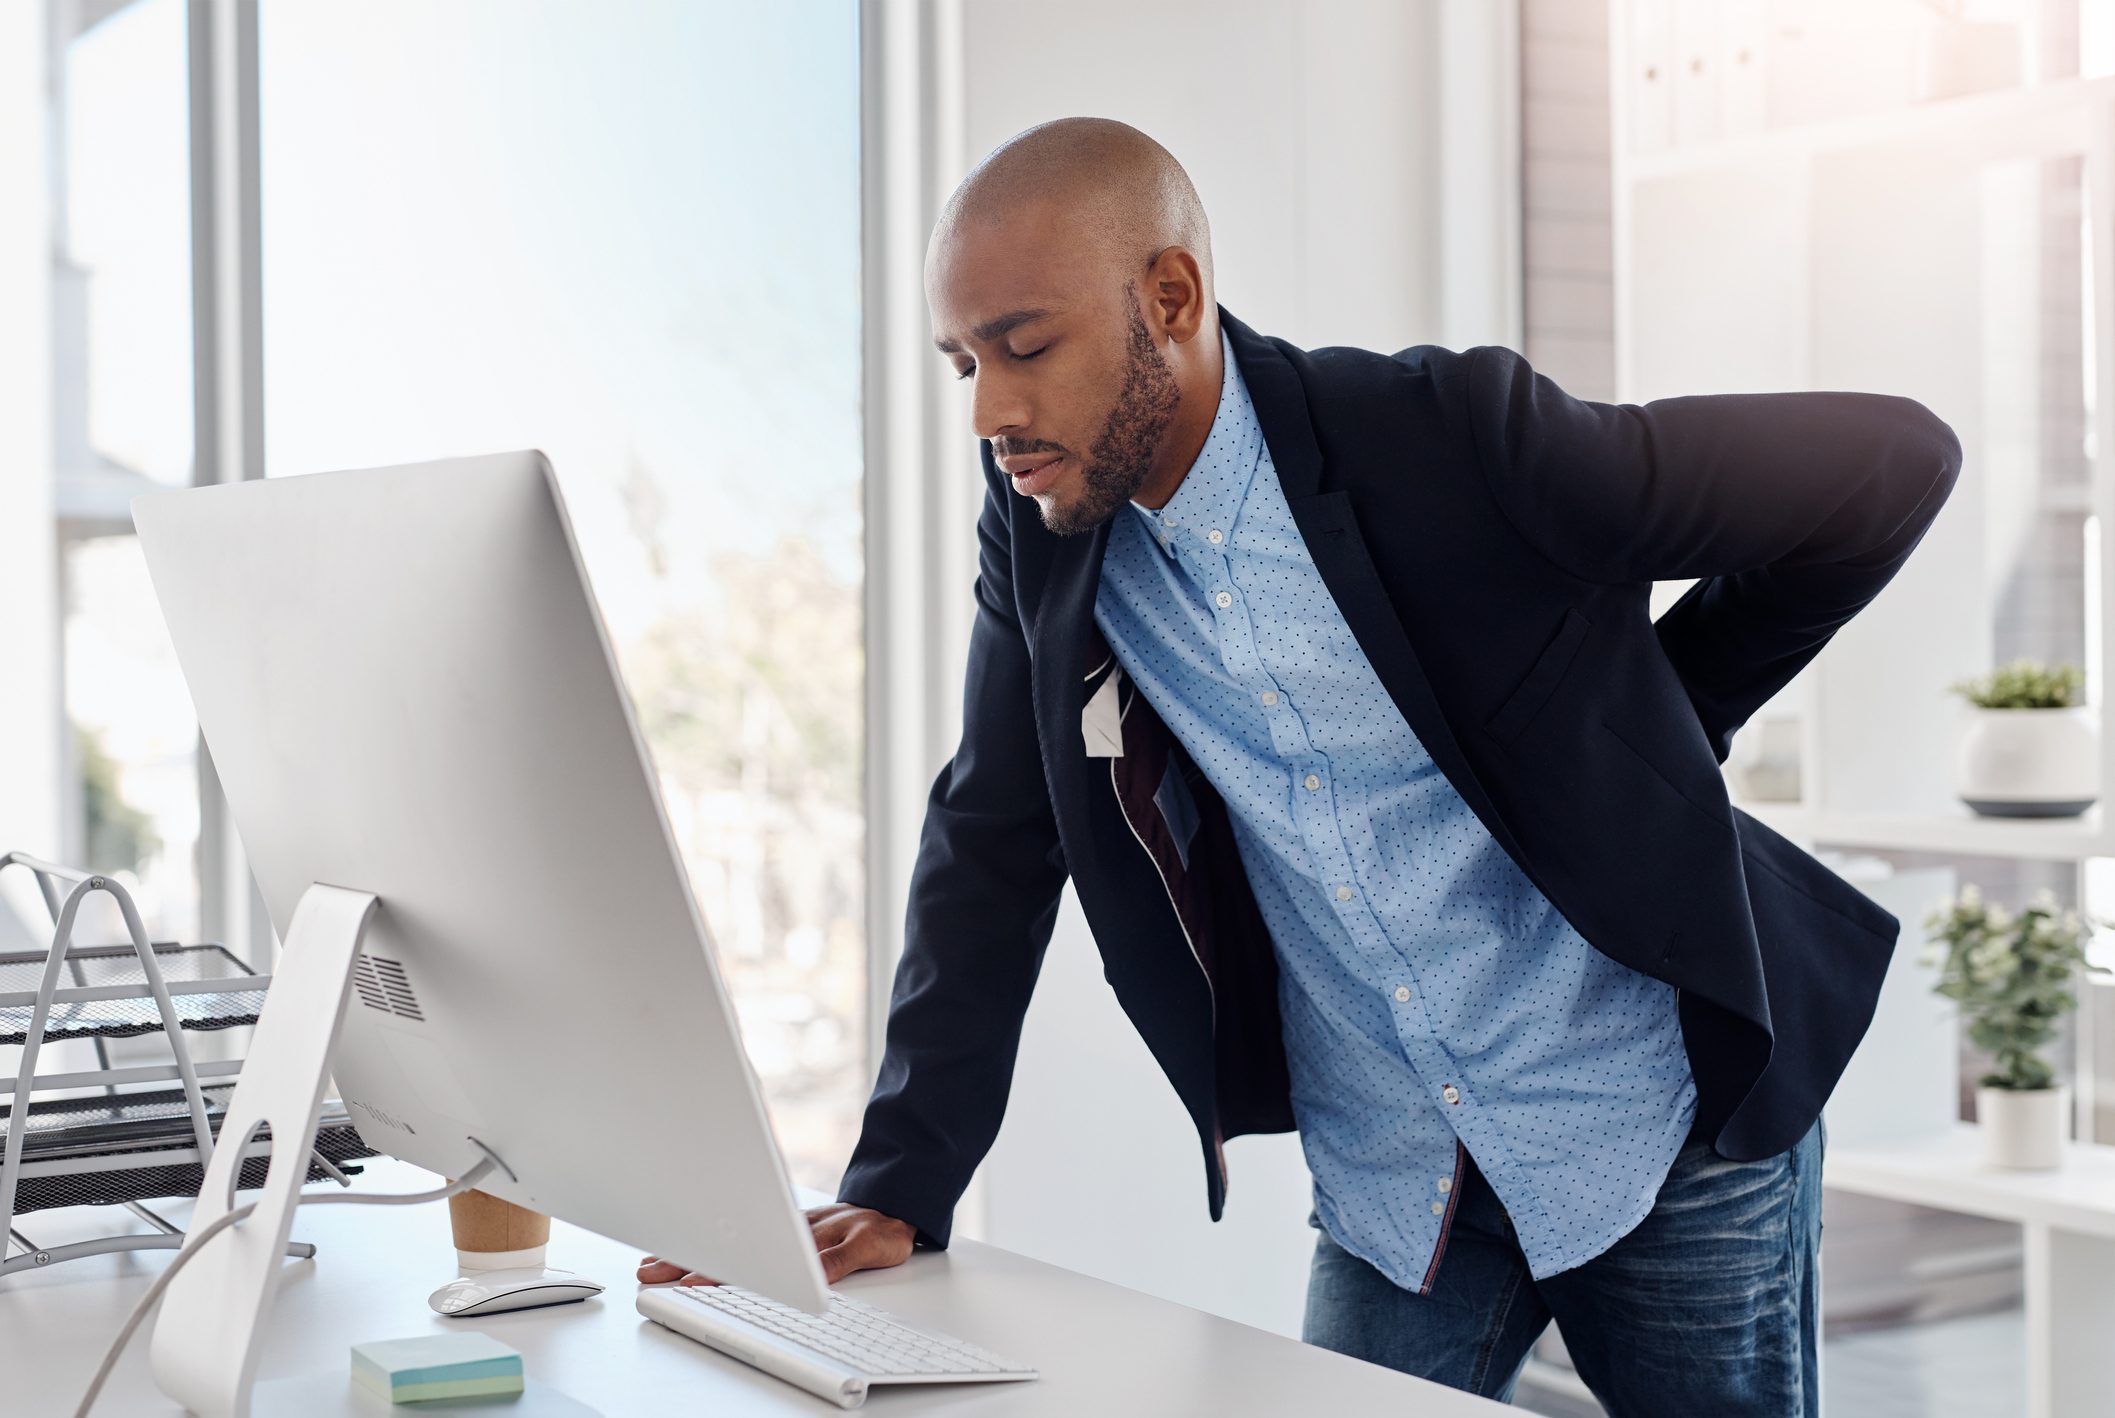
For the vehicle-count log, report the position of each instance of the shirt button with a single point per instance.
(1402, 992)
(1343, 893)
(1270, 696)
(1450, 1093)
(1312, 782)
(1215, 536)
(1446, 1184)
(1439, 1208)
(1223, 599)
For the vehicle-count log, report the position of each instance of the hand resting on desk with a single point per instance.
(847, 1237)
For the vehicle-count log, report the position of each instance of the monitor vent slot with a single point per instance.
(383, 985)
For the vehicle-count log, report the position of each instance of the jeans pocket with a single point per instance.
(1738, 1196)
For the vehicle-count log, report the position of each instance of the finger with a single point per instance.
(839, 1260)
(832, 1229)
(659, 1272)
(870, 1248)
(693, 1278)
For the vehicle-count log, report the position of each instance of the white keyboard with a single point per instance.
(835, 1356)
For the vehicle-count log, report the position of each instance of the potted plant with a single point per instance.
(2011, 975)
(2028, 748)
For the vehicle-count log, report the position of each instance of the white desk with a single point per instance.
(1104, 1351)
(2067, 1224)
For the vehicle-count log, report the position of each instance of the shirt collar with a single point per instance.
(1210, 494)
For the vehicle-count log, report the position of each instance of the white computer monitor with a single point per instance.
(407, 689)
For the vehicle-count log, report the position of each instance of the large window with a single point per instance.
(628, 235)
(121, 339)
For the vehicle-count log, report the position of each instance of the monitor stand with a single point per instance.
(205, 1337)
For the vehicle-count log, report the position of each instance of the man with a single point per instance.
(1328, 677)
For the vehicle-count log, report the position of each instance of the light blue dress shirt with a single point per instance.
(1428, 990)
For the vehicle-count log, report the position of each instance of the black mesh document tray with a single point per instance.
(119, 1134)
(136, 1126)
(23, 970)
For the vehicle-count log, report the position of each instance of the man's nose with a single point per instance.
(997, 404)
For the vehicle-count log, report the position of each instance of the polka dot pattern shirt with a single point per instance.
(1429, 992)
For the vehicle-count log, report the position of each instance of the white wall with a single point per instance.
(1307, 130)
(1311, 134)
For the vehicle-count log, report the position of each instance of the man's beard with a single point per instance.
(1121, 459)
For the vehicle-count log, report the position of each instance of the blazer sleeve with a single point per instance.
(1792, 509)
(983, 899)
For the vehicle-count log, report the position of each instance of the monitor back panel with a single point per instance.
(407, 689)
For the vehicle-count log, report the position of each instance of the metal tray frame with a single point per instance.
(64, 889)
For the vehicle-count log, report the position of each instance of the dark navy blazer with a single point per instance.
(1492, 542)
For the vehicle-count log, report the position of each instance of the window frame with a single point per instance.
(227, 380)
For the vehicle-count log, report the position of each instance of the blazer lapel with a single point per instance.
(1329, 525)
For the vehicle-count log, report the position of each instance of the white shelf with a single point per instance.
(2067, 1228)
(1915, 251)
(1960, 832)
(1956, 123)
(1906, 251)
(1948, 1172)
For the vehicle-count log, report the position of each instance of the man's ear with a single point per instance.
(1175, 299)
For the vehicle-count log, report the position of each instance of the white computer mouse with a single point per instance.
(488, 1292)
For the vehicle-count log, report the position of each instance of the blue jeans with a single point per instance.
(1710, 1305)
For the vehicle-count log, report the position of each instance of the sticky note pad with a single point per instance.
(429, 1366)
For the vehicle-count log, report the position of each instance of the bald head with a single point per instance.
(1104, 182)
(1070, 276)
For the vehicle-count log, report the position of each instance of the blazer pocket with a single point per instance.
(1533, 692)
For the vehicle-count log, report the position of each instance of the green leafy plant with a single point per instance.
(2024, 684)
(2011, 974)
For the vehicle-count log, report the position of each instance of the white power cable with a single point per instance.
(194, 1244)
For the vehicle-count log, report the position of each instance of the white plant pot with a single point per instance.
(2029, 762)
(2023, 1128)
